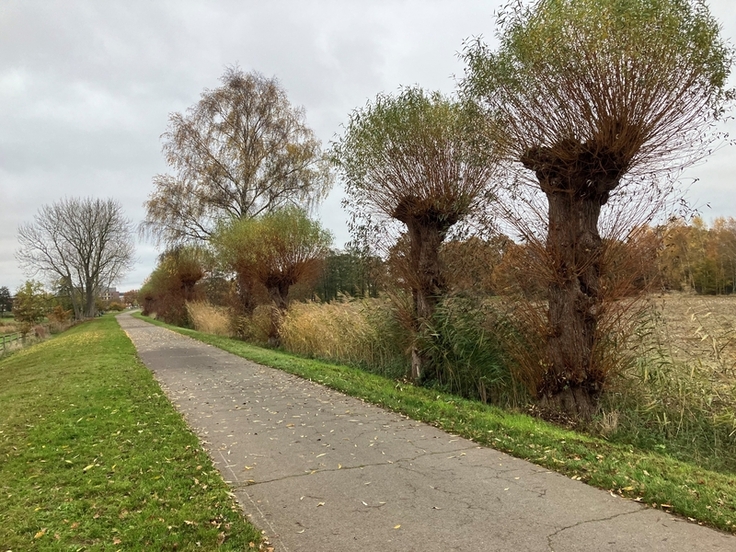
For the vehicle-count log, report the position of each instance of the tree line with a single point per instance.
(583, 110)
(698, 256)
(569, 134)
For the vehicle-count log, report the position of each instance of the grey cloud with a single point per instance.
(86, 86)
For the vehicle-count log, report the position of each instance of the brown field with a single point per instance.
(697, 331)
(8, 325)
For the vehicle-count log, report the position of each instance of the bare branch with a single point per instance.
(82, 244)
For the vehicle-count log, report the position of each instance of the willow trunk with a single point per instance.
(425, 240)
(572, 382)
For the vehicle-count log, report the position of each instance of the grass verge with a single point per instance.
(658, 480)
(94, 457)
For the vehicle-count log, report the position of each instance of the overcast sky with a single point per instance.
(86, 88)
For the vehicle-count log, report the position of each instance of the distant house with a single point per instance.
(109, 294)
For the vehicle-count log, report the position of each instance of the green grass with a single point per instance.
(656, 479)
(94, 457)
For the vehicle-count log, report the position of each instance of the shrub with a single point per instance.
(254, 327)
(59, 319)
(173, 283)
(30, 305)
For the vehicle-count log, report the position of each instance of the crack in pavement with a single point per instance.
(273, 532)
(250, 483)
(585, 522)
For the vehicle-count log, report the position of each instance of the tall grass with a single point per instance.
(465, 345)
(256, 327)
(209, 318)
(360, 333)
(676, 403)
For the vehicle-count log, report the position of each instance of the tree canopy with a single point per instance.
(412, 155)
(31, 304)
(6, 303)
(274, 251)
(173, 283)
(277, 249)
(603, 87)
(240, 151)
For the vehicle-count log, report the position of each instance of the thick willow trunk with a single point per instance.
(89, 301)
(571, 382)
(279, 294)
(245, 294)
(425, 240)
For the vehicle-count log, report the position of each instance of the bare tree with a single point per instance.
(417, 159)
(594, 98)
(87, 244)
(240, 151)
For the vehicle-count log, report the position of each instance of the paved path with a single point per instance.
(320, 471)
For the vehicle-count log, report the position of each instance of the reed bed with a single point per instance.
(209, 318)
(360, 333)
(679, 394)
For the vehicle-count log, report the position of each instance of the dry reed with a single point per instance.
(356, 332)
(682, 388)
(209, 318)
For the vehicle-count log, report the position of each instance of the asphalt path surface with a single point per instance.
(320, 471)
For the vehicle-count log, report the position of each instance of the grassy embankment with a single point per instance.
(652, 476)
(94, 457)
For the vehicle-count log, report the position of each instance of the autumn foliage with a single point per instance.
(174, 282)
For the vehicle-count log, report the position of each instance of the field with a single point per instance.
(8, 325)
(699, 331)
